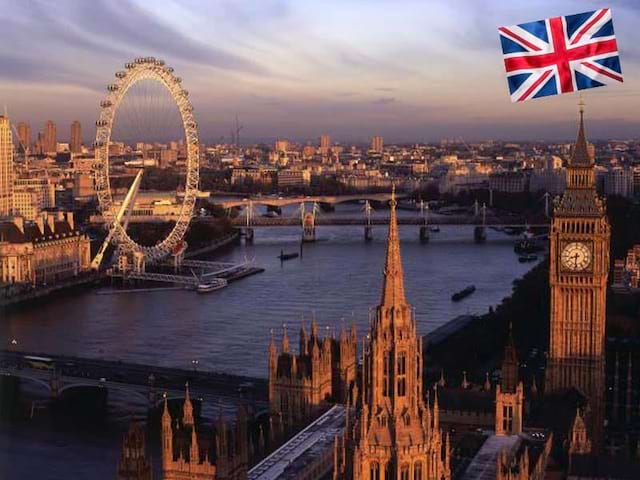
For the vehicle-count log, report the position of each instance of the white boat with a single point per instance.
(211, 286)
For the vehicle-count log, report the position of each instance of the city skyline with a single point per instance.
(278, 85)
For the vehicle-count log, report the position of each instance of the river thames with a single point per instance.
(337, 280)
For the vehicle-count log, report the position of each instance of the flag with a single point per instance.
(560, 55)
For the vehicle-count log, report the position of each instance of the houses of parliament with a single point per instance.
(341, 411)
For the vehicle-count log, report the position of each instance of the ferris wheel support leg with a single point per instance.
(124, 212)
(368, 233)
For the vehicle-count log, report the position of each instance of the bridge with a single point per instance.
(491, 222)
(272, 201)
(149, 383)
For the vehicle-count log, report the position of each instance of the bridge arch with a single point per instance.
(36, 380)
(106, 385)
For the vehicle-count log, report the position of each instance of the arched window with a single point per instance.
(402, 374)
(404, 472)
(374, 471)
(386, 374)
(387, 471)
(417, 471)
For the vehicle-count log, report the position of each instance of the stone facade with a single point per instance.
(134, 463)
(191, 453)
(323, 370)
(42, 252)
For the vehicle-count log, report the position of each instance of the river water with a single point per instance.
(338, 280)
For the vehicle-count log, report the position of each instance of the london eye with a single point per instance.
(149, 83)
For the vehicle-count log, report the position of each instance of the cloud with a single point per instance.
(384, 101)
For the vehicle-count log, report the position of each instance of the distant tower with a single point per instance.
(134, 464)
(377, 144)
(6, 167)
(325, 145)
(579, 265)
(24, 134)
(50, 137)
(75, 145)
(509, 394)
(396, 435)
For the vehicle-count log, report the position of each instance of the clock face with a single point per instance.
(576, 256)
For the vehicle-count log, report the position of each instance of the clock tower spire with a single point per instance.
(578, 270)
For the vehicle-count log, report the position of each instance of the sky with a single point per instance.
(410, 70)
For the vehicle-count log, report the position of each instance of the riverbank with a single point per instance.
(475, 344)
(19, 298)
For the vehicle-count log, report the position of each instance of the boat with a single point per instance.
(530, 257)
(211, 286)
(513, 230)
(434, 229)
(456, 297)
(287, 256)
(527, 246)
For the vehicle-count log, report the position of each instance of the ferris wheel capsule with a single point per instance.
(106, 103)
(121, 74)
(101, 123)
(113, 87)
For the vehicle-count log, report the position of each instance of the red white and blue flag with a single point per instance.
(560, 55)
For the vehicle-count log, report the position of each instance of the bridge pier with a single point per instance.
(308, 234)
(248, 235)
(424, 234)
(368, 233)
(55, 383)
(479, 234)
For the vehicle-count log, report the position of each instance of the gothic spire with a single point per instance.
(393, 289)
(187, 408)
(581, 155)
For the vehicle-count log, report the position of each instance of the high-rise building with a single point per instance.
(325, 145)
(24, 134)
(396, 433)
(75, 144)
(50, 137)
(6, 167)
(377, 144)
(31, 195)
(578, 270)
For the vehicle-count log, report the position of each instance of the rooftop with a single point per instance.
(305, 447)
(485, 464)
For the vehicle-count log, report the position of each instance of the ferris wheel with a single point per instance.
(144, 70)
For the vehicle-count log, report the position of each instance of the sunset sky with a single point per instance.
(408, 70)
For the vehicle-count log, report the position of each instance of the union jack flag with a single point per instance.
(560, 55)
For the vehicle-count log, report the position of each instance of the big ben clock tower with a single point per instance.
(578, 269)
